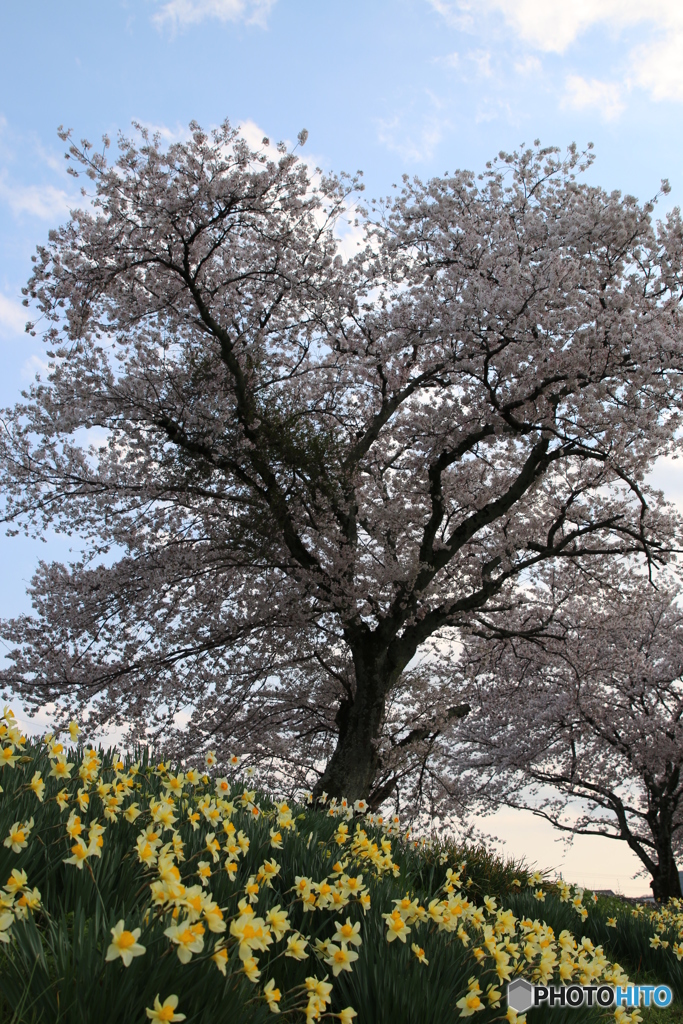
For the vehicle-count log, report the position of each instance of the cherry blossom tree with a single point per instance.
(578, 706)
(309, 470)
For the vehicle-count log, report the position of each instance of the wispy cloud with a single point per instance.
(44, 201)
(654, 64)
(529, 66)
(13, 316)
(32, 366)
(658, 66)
(457, 14)
(450, 60)
(181, 133)
(586, 94)
(183, 13)
(482, 62)
(413, 145)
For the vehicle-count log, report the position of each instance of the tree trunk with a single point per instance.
(665, 882)
(352, 768)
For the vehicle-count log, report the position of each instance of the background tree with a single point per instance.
(577, 706)
(307, 468)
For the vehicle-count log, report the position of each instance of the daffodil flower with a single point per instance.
(346, 1016)
(220, 958)
(8, 757)
(250, 968)
(18, 836)
(348, 932)
(124, 944)
(6, 921)
(60, 768)
(16, 881)
(132, 812)
(296, 947)
(469, 1004)
(189, 939)
(30, 899)
(396, 926)
(37, 785)
(273, 996)
(164, 1013)
(79, 854)
(340, 957)
(419, 953)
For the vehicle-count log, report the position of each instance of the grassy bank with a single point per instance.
(137, 891)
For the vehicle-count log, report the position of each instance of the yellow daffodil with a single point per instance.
(348, 932)
(30, 899)
(419, 953)
(37, 785)
(396, 926)
(232, 867)
(469, 1004)
(189, 939)
(6, 922)
(220, 958)
(79, 854)
(124, 944)
(8, 757)
(213, 915)
(340, 957)
(132, 812)
(212, 846)
(346, 1016)
(164, 1013)
(296, 947)
(250, 968)
(60, 768)
(16, 881)
(204, 871)
(273, 996)
(74, 826)
(277, 922)
(18, 837)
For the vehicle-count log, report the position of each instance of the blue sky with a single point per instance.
(389, 86)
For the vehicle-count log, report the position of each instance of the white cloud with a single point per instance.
(658, 66)
(32, 366)
(655, 64)
(482, 62)
(456, 14)
(529, 66)
(44, 201)
(181, 133)
(411, 146)
(553, 25)
(13, 316)
(584, 94)
(182, 13)
(450, 60)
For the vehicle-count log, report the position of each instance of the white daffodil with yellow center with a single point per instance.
(124, 944)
